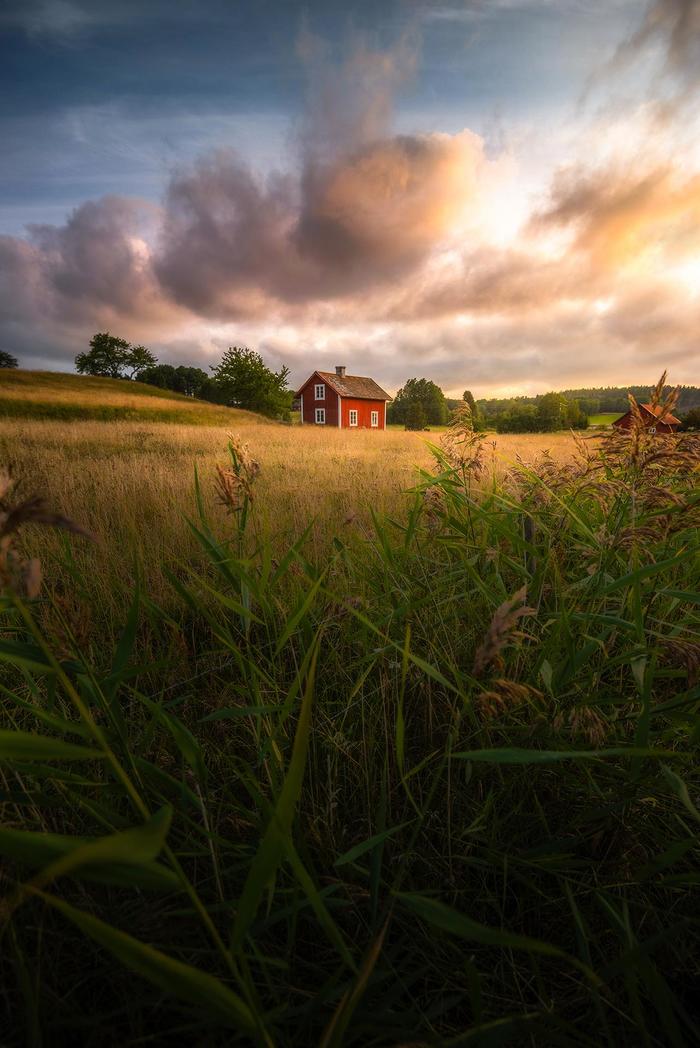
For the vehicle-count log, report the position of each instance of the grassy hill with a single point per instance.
(57, 395)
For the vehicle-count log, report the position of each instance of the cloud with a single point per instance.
(674, 26)
(387, 250)
(380, 211)
(229, 244)
(94, 271)
(623, 219)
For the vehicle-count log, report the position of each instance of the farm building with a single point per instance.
(651, 414)
(343, 401)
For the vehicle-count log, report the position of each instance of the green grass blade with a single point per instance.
(25, 746)
(204, 991)
(272, 847)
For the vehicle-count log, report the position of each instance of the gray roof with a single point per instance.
(352, 386)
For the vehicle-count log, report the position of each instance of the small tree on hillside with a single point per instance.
(7, 360)
(108, 356)
(160, 375)
(245, 381)
(113, 357)
(139, 358)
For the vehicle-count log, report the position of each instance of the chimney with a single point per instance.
(340, 370)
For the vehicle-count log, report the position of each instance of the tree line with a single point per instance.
(420, 403)
(241, 379)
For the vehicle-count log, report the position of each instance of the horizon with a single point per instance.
(497, 196)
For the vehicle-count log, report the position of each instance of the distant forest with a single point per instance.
(593, 400)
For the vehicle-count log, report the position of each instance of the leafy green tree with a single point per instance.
(7, 360)
(427, 394)
(415, 416)
(108, 356)
(191, 381)
(138, 359)
(468, 398)
(521, 418)
(114, 357)
(691, 420)
(160, 375)
(245, 381)
(477, 419)
(551, 412)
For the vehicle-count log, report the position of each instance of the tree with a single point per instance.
(138, 359)
(415, 416)
(160, 375)
(245, 381)
(193, 382)
(468, 397)
(691, 420)
(114, 357)
(477, 420)
(551, 412)
(427, 394)
(7, 360)
(108, 356)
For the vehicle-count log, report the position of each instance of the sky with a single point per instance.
(500, 195)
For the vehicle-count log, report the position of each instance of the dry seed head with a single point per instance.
(507, 694)
(433, 505)
(234, 483)
(584, 722)
(502, 631)
(685, 653)
(16, 573)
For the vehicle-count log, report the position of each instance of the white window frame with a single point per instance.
(320, 417)
(353, 415)
(374, 420)
(322, 395)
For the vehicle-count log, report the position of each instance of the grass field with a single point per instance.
(132, 485)
(604, 419)
(292, 755)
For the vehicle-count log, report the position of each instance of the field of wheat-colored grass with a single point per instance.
(132, 485)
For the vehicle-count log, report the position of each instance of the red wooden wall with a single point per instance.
(364, 408)
(310, 404)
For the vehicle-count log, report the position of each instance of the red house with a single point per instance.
(651, 415)
(343, 401)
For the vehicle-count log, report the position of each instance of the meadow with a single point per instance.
(329, 738)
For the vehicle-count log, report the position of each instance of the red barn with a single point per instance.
(651, 415)
(343, 401)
